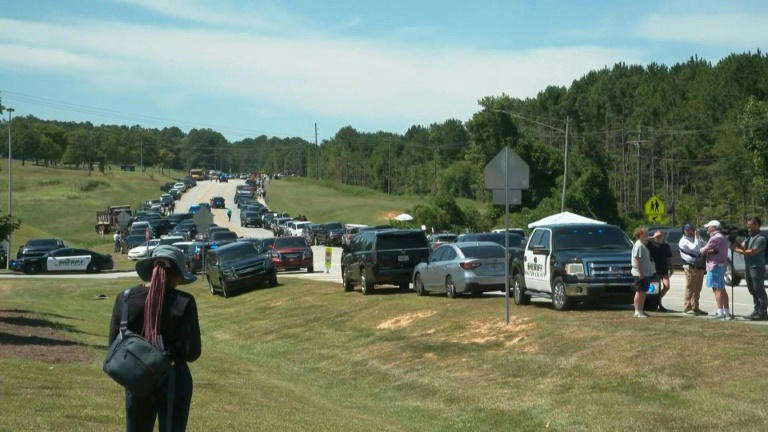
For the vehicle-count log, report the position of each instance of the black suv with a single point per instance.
(249, 218)
(237, 266)
(330, 234)
(30, 257)
(382, 257)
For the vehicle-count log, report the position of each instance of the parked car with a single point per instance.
(180, 186)
(217, 202)
(77, 260)
(437, 240)
(349, 231)
(382, 257)
(236, 267)
(277, 224)
(515, 240)
(220, 238)
(262, 244)
(249, 218)
(30, 257)
(176, 218)
(175, 193)
(330, 234)
(292, 253)
(167, 186)
(188, 248)
(170, 240)
(134, 240)
(458, 268)
(143, 251)
(672, 237)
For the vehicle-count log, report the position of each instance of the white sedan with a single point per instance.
(180, 186)
(144, 250)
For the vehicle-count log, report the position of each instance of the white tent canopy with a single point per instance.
(564, 218)
(404, 217)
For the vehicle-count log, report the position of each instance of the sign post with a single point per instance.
(506, 175)
(654, 209)
(203, 220)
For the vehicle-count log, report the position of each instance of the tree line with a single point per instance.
(694, 133)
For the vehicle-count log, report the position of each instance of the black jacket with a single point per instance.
(178, 323)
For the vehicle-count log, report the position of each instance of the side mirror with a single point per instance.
(540, 250)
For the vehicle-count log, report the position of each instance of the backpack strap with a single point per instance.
(124, 313)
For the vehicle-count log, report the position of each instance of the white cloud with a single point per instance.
(731, 30)
(353, 79)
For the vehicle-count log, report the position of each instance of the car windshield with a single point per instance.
(251, 214)
(293, 242)
(401, 241)
(591, 238)
(483, 251)
(333, 226)
(223, 235)
(236, 253)
(42, 243)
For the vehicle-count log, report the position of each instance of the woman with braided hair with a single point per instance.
(166, 318)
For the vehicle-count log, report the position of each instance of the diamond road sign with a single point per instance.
(518, 171)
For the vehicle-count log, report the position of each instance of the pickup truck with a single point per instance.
(575, 263)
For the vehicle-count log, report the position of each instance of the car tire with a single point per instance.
(450, 287)
(93, 268)
(310, 269)
(518, 291)
(345, 282)
(32, 268)
(560, 301)
(224, 289)
(418, 285)
(366, 286)
(273, 279)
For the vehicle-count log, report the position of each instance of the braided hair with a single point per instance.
(153, 305)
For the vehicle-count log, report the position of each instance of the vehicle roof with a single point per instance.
(475, 243)
(567, 227)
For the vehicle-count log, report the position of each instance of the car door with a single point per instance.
(79, 260)
(54, 260)
(445, 266)
(429, 275)
(536, 264)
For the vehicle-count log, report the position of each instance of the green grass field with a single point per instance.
(323, 201)
(62, 203)
(307, 356)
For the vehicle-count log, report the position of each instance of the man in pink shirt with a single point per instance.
(716, 251)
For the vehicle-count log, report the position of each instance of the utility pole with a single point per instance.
(317, 155)
(141, 155)
(565, 166)
(10, 186)
(389, 166)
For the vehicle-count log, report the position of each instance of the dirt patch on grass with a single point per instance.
(486, 331)
(401, 321)
(23, 335)
(388, 216)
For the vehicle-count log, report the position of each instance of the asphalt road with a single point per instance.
(205, 190)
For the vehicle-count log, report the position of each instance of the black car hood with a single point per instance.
(246, 262)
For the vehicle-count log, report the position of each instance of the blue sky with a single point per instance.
(248, 68)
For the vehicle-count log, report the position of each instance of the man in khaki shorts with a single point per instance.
(690, 248)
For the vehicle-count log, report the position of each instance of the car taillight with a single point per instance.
(469, 265)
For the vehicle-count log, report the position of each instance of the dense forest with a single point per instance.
(695, 134)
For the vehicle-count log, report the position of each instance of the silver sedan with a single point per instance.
(465, 267)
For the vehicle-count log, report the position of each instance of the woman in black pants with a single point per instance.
(166, 318)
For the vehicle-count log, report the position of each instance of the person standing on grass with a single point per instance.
(116, 239)
(716, 251)
(690, 245)
(166, 318)
(753, 250)
(661, 254)
(642, 270)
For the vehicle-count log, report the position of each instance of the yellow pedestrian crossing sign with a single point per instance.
(654, 209)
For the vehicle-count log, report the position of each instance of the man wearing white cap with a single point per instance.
(716, 251)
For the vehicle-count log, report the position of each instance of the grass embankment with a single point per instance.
(306, 356)
(325, 201)
(62, 203)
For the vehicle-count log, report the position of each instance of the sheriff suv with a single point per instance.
(570, 263)
(382, 257)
